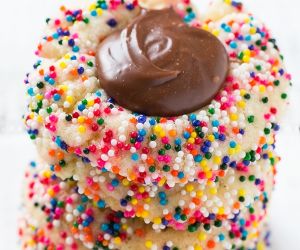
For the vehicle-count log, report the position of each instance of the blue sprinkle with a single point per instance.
(186, 135)
(112, 22)
(232, 144)
(180, 175)
(135, 157)
(75, 48)
(101, 204)
(115, 182)
(178, 141)
(198, 158)
(215, 123)
(81, 107)
(142, 119)
(56, 97)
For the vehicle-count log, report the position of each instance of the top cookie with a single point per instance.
(68, 104)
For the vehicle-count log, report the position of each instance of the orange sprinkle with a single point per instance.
(221, 173)
(262, 140)
(88, 237)
(74, 72)
(235, 130)
(51, 152)
(172, 132)
(60, 155)
(150, 160)
(174, 173)
(139, 232)
(236, 205)
(84, 78)
(197, 201)
(194, 152)
(57, 168)
(163, 120)
(115, 169)
(88, 121)
(211, 244)
(133, 120)
(92, 53)
(74, 230)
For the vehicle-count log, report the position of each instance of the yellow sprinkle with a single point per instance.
(231, 151)
(217, 160)
(216, 32)
(243, 92)
(208, 175)
(191, 140)
(134, 201)
(213, 191)
(255, 224)
(247, 20)
(99, 12)
(50, 192)
(147, 200)
(40, 119)
(39, 97)
(47, 174)
(197, 247)
(157, 129)
(206, 169)
(189, 187)
(64, 87)
(63, 65)
(246, 59)
(205, 27)
(261, 246)
(31, 242)
(141, 190)
(162, 134)
(247, 52)
(67, 56)
(145, 214)
(242, 192)
(252, 30)
(203, 163)
(81, 129)
(157, 221)
(117, 240)
(193, 134)
(199, 193)
(262, 88)
(81, 119)
(241, 104)
(221, 211)
(233, 117)
(125, 182)
(211, 138)
(92, 7)
(161, 182)
(90, 103)
(69, 99)
(148, 243)
(202, 236)
(275, 69)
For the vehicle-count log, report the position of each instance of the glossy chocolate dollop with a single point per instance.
(160, 66)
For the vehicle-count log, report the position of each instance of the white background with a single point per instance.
(21, 23)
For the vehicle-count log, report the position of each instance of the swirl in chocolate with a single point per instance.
(160, 66)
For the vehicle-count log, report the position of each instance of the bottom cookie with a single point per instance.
(57, 217)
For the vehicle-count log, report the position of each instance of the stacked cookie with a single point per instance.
(109, 177)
